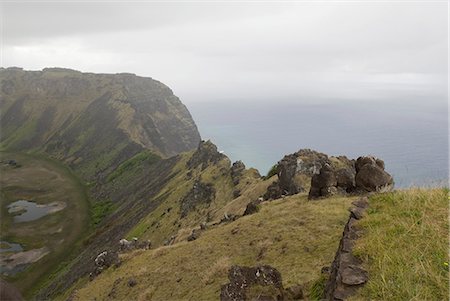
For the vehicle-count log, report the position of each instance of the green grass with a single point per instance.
(405, 246)
(133, 163)
(99, 210)
(295, 236)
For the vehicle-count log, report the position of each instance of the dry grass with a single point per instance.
(293, 235)
(405, 246)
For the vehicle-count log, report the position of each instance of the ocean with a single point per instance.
(410, 136)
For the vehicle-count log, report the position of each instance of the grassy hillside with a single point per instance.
(405, 246)
(92, 122)
(166, 220)
(295, 236)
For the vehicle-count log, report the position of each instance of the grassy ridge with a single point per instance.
(405, 246)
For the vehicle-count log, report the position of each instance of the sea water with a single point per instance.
(410, 136)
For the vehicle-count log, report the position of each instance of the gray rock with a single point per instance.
(371, 177)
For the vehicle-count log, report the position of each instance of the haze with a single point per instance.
(252, 51)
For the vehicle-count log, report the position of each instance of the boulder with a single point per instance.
(273, 191)
(252, 207)
(345, 178)
(237, 169)
(287, 168)
(324, 183)
(370, 175)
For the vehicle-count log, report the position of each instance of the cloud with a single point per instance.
(252, 51)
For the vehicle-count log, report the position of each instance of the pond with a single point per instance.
(25, 211)
(6, 246)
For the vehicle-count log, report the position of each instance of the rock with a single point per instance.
(194, 235)
(345, 178)
(242, 279)
(201, 193)
(170, 241)
(324, 183)
(346, 273)
(228, 218)
(287, 168)
(203, 226)
(132, 282)
(103, 261)
(357, 212)
(353, 275)
(205, 155)
(295, 292)
(252, 207)
(236, 193)
(237, 169)
(361, 161)
(273, 191)
(371, 177)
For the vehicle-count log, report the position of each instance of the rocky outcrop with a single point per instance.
(205, 155)
(371, 176)
(237, 169)
(366, 175)
(296, 170)
(201, 193)
(347, 274)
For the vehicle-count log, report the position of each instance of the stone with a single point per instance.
(324, 183)
(252, 207)
(287, 168)
(357, 212)
(194, 235)
(353, 275)
(132, 282)
(237, 169)
(372, 178)
(345, 178)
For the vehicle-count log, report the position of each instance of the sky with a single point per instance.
(241, 51)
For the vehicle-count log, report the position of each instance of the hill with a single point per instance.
(91, 122)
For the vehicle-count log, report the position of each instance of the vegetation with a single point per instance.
(293, 235)
(405, 246)
(99, 210)
(273, 171)
(133, 163)
(45, 181)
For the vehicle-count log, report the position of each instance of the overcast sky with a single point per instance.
(241, 51)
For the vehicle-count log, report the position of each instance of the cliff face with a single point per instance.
(91, 121)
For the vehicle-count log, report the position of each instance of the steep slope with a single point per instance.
(158, 199)
(91, 121)
(293, 235)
